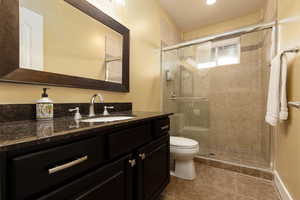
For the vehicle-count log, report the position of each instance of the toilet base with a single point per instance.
(185, 169)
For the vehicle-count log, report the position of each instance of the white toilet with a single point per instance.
(184, 151)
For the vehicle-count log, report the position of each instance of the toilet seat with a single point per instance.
(183, 143)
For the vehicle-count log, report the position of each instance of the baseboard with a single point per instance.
(284, 193)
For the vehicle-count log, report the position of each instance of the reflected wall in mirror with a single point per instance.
(66, 43)
(58, 38)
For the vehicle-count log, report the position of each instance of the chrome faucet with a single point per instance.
(92, 106)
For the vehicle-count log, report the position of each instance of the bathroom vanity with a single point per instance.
(122, 160)
(66, 159)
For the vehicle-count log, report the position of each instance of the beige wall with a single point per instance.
(143, 19)
(270, 11)
(222, 27)
(170, 33)
(287, 161)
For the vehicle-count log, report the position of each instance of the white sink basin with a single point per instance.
(107, 119)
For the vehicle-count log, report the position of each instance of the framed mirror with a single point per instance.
(67, 43)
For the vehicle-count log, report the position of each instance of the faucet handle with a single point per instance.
(77, 114)
(105, 112)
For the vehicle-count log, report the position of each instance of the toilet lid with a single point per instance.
(182, 142)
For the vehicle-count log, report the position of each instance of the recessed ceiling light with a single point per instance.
(211, 2)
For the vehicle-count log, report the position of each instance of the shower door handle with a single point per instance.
(295, 104)
(173, 96)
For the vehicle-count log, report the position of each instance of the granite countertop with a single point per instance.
(15, 135)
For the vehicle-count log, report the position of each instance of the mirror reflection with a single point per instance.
(56, 37)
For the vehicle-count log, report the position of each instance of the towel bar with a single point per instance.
(295, 104)
(294, 50)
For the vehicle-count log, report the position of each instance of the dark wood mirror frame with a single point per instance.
(9, 51)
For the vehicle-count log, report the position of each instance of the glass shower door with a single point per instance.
(217, 91)
(185, 94)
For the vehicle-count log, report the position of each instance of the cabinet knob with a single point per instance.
(132, 163)
(142, 156)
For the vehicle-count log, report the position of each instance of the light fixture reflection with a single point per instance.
(211, 2)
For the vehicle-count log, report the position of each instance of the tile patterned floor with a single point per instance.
(219, 184)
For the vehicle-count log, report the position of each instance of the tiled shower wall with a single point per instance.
(223, 108)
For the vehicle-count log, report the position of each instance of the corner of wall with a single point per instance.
(170, 32)
(282, 189)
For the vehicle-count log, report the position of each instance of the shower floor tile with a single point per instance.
(238, 158)
(219, 184)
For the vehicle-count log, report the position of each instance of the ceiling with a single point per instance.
(192, 14)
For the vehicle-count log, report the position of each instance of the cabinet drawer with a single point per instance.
(38, 172)
(123, 142)
(113, 181)
(161, 127)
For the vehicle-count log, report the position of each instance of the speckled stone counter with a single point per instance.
(20, 134)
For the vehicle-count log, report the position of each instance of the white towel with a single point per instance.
(277, 101)
(284, 114)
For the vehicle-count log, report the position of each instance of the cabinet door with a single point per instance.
(112, 188)
(113, 181)
(153, 169)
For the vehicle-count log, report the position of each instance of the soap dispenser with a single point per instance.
(44, 107)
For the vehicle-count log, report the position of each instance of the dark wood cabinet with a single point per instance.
(107, 189)
(113, 181)
(125, 163)
(125, 141)
(37, 172)
(153, 169)
(161, 127)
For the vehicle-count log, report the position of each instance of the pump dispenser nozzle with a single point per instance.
(45, 92)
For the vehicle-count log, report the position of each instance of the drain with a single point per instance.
(208, 155)
(212, 154)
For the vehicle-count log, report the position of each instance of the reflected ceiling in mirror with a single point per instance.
(58, 38)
